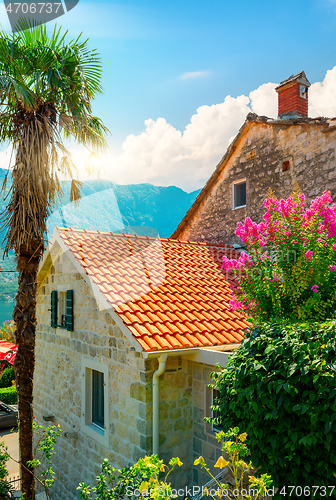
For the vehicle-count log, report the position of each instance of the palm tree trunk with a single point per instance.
(25, 318)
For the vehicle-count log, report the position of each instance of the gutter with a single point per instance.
(156, 375)
(207, 356)
(162, 358)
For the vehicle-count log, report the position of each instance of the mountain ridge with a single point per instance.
(108, 206)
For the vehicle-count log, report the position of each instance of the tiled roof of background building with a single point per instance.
(169, 293)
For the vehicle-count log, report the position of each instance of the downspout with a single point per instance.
(156, 375)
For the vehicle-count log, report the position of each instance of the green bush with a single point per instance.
(7, 377)
(280, 387)
(8, 395)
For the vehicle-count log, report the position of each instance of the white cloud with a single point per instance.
(193, 74)
(322, 96)
(264, 100)
(164, 155)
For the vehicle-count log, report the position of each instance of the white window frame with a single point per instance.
(241, 181)
(92, 430)
(208, 412)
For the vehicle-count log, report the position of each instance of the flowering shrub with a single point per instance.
(44, 450)
(234, 449)
(139, 480)
(289, 270)
(6, 331)
(280, 386)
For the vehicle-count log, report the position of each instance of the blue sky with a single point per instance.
(147, 45)
(163, 61)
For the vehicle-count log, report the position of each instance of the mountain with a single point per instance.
(107, 206)
(113, 207)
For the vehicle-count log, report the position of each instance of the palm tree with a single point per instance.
(46, 88)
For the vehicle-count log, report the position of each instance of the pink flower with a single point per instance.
(334, 246)
(243, 261)
(315, 288)
(309, 255)
(250, 232)
(333, 269)
(234, 304)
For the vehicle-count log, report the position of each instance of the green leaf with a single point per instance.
(328, 426)
(314, 419)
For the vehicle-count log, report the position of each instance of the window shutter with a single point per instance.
(69, 310)
(54, 308)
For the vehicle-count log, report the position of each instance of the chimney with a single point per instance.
(293, 97)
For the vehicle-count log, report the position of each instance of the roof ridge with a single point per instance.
(144, 237)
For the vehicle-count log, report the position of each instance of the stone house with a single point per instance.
(280, 154)
(129, 330)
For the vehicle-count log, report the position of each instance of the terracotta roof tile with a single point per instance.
(170, 294)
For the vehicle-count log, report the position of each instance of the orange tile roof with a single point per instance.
(169, 293)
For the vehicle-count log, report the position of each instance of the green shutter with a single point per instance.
(69, 310)
(54, 308)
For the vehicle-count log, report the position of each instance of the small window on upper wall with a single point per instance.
(286, 166)
(62, 309)
(239, 194)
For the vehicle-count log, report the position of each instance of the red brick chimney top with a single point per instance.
(293, 97)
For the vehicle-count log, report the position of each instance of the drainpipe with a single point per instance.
(156, 375)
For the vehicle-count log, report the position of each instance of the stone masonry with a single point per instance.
(58, 384)
(58, 392)
(258, 155)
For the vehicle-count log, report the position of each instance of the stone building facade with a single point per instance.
(99, 341)
(276, 155)
(266, 156)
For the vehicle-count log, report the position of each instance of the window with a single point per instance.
(303, 91)
(239, 194)
(95, 418)
(286, 166)
(215, 413)
(97, 398)
(210, 400)
(62, 309)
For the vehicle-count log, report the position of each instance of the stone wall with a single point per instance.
(176, 423)
(58, 383)
(258, 157)
(58, 391)
(204, 442)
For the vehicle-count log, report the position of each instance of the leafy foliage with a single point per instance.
(47, 84)
(289, 271)
(235, 450)
(6, 334)
(141, 478)
(7, 377)
(5, 486)
(44, 450)
(280, 386)
(8, 395)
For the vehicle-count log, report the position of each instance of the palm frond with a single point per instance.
(47, 84)
(75, 190)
